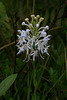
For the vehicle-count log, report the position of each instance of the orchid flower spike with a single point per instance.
(33, 40)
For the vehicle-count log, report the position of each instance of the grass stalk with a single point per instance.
(33, 6)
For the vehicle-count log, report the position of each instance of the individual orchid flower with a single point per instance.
(34, 54)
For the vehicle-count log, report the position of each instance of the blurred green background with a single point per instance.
(53, 80)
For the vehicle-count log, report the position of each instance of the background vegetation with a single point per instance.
(51, 72)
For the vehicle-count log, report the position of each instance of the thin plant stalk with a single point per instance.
(29, 85)
(42, 71)
(27, 11)
(33, 6)
(34, 81)
(66, 62)
(36, 84)
(34, 76)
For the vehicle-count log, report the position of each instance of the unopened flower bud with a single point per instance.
(26, 19)
(31, 25)
(41, 19)
(37, 25)
(32, 16)
(23, 23)
(37, 16)
(47, 27)
(19, 31)
(27, 30)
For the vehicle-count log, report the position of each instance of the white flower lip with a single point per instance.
(33, 40)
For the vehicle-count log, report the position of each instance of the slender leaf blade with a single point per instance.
(6, 83)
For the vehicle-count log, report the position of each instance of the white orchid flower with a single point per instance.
(33, 40)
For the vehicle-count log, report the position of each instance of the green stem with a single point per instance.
(33, 6)
(42, 73)
(34, 81)
(36, 84)
(27, 12)
(28, 87)
(66, 62)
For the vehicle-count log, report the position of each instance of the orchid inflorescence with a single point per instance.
(33, 40)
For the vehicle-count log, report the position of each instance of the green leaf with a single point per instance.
(58, 23)
(11, 99)
(5, 30)
(3, 15)
(6, 83)
(46, 17)
(52, 16)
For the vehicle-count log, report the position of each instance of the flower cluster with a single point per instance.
(33, 40)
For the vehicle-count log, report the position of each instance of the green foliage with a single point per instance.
(6, 83)
(3, 16)
(4, 21)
